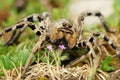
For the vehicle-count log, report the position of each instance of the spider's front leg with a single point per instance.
(34, 50)
(91, 13)
(14, 37)
(34, 27)
(41, 18)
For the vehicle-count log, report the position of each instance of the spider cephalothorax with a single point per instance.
(62, 31)
(65, 33)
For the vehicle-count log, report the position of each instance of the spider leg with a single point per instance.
(80, 45)
(113, 45)
(34, 50)
(22, 25)
(32, 18)
(92, 13)
(105, 38)
(96, 35)
(14, 37)
(10, 41)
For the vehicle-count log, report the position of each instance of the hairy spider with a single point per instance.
(61, 32)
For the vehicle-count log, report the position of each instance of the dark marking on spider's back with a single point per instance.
(66, 30)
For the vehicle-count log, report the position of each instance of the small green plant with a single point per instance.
(105, 64)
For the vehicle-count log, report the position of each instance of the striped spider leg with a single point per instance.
(105, 38)
(31, 18)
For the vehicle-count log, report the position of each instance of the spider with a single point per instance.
(62, 31)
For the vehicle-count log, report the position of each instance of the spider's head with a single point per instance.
(64, 33)
(67, 23)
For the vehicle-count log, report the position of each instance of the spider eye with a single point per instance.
(64, 24)
(67, 25)
(70, 26)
